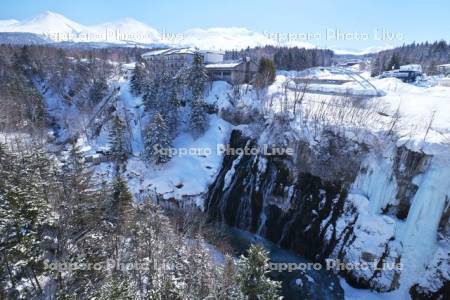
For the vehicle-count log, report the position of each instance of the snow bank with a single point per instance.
(185, 175)
(417, 106)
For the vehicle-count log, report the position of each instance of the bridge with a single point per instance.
(364, 88)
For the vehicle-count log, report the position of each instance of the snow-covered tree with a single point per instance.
(116, 287)
(150, 94)
(122, 202)
(98, 90)
(78, 188)
(227, 284)
(79, 208)
(394, 62)
(165, 84)
(137, 79)
(171, 112)
(198, 118)
(198, 273)
(158, 141)
(24, 218)
(253, 279)
(197, 77)
(266, 73)
(118, 140)
(152, 240)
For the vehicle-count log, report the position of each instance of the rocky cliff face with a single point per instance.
(336, 199)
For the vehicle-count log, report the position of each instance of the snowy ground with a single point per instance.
(417, 107)
(357, 294)
(186, 174)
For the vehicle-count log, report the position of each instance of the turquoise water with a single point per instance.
(296, 284)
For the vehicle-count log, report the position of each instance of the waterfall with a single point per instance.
(420, 231)
(377, 182)
(390, 212)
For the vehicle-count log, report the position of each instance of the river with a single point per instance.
(296, 284)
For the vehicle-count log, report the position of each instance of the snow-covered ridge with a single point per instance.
(61, 29)
(365, 51)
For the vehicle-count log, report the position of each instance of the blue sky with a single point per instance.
(366, 23)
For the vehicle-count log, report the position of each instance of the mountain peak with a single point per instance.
(50, 15)
(47, 22)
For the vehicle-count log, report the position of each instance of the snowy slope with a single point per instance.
(127, 29)
(223, 38)
(419, 108)
(5, 23)
(46, 22)
(186, 176)
(59, 28)
(230, 38)
(365, 51)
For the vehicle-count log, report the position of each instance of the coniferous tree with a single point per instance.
(118, 140)
(287, 58)
(78, 189)
(198, 275)
(150, 94)
(428, 55)
(199, 119)
(165, 83)
(152, 241)
(266, 73)
(228, 286)
(122, 202)
(253, 278)
(197, 77)
(157, 141)
(25, 217)
(376, 67)
(137, 79)
(78, 235)
(98, 90)
(116, 287)
(394, 63)
(172, 111)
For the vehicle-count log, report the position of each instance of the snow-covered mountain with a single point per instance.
(230, 38)
(47, 22)
(22, 38)
(365, 51)
(126, 30)
(223, 38)
(58, 28)
(10, 22)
